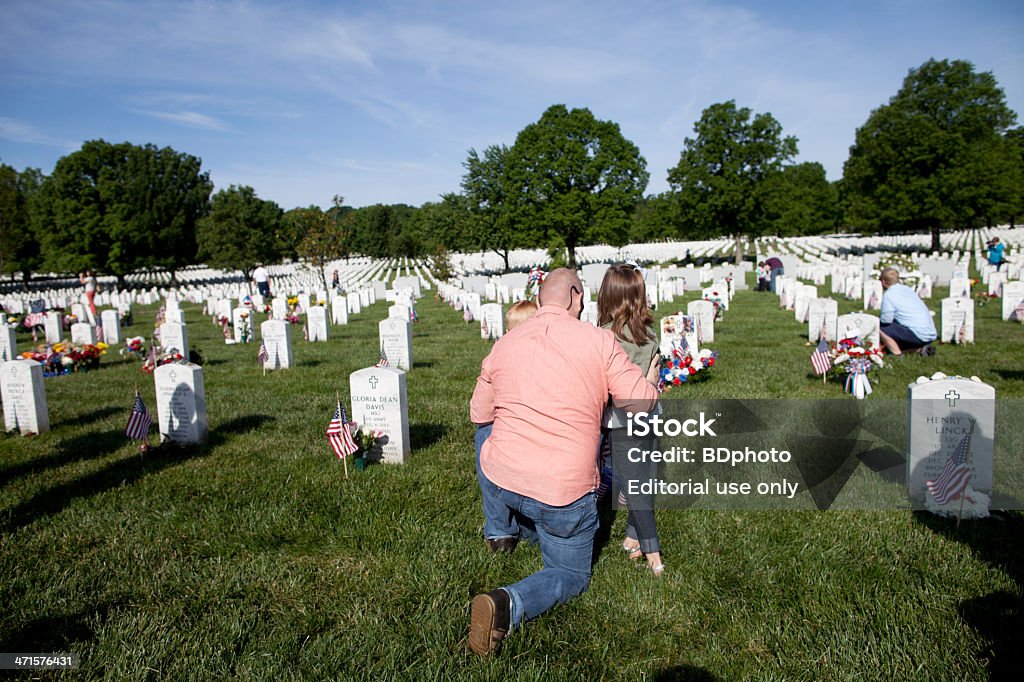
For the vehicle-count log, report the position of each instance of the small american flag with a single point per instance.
(782, 300)
(339, 435)
(700, 332)
(954, 477)
(139, 421)
(383, 360)
(1018, 312)
(413, 315)
(467, 314)
(484, 328)
(822, 334)
(820, 359)
(961, 336)
(873, 301)
(262, 356)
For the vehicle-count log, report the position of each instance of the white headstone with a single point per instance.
(279, 308)
(704, 314)
(242, 319)
(379, 401)
(858, 325)
(872, 295)
(339, 310)
(304, 302)
(354, 305)
(53, 326)
(224, 309)
(111, 327)
(8, 343)
(942, 413)
(277, 337)
(364, 297)
(674, 330)
(399, 311)
(492, 321)
(79, 311)
(396, 342)
(957, 320)
(176, 315)
(181, 403)
(473, 301)
(316, 322)
(960, 287)
(1013, 297)
(83, 333)
(996, 280)
(805, 293)
(822, 312)
(174, 336)
(24, 397)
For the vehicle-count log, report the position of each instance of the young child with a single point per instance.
(622, 308)
(494, 533)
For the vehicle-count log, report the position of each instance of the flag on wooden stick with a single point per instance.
(139, 421)
(820, 358)
(339, 435)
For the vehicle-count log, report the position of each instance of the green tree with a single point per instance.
(446, 223)
(19, 243)
(486, 186)
(722, 173)
(574, 179)
(240, 231)
(120, 207)
(800, 200)
(323, 235)
(927, 158)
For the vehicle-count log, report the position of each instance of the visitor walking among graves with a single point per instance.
(262, 279)
(544, 388)
(88, 280)
(622, 309)
(995, 252)
(905, 322)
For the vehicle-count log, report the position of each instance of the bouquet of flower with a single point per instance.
(245, 326)
(367, 438)
(135, 346)
(854, 360)
(716, 300)
(681, 367)
(64, 358)
(225, 323)
(165, 358)
(984, 297)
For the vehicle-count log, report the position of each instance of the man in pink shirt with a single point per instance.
(544, 386)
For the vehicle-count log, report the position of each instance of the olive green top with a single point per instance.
(639, 354)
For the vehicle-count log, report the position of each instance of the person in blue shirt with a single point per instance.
(995, 252)
(905, 321)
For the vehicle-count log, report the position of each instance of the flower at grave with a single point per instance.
(984, 297)
(679, 368)
(852, 360)
(267, 309)
(135, 345)
(716, 300)
(365, 437)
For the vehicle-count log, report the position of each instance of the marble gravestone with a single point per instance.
(277, 338)
(1013, 297)
(472, 300)
(339, 310)
(83, 333)
(53, 326)
(492, 321)
(24, 397)
(176, 315)
(396, 342)
(223, 310)
(111, 327)
(399, 311)
(181, 403)
(304, 302)
(873, 295)
(242, 319)
(859, 325)
(8, 343)
(279, 308)
(960, 287)
(379, 401)
(805, 293)
(174, 336)
(704, 314)
(942, 413)
(354, 305)
(957, 320)
(364, 297)
(79, 312)
(822, 313)
(316, 323)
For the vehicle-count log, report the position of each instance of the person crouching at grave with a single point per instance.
(544, 387)
(497, 517)
(905, 322)
(775, 270)
(622, 309)
(995, 252)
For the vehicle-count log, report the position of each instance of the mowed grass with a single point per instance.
(251, 557)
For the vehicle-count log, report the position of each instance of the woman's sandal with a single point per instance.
(633, 550)
(657, 570)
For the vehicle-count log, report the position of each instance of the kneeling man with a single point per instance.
(905, 321)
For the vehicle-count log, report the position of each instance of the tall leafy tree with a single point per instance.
(19, 244)
(324, 235)
(722, 172)
(926, 159)
(240, 231)
(801, 200)
(574, 179)
(120, 207)
(486, 187)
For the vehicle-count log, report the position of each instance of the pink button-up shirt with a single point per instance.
(544, 385)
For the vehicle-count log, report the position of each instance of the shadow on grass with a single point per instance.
(424, 363)
(1010, 374)
(125, 471)
(998, 615)
(88, 446)
(309, 363)
(214, 362)
(425, 435)
(684, 673)
(59, 632)
(92, 417)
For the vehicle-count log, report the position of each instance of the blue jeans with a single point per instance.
(566, 539)
(499, 521)
(776, 273)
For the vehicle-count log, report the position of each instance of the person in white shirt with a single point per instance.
(262, 279)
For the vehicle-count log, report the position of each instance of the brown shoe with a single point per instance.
(502, 545)
(489, 622)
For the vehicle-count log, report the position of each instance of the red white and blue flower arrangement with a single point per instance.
(855, 360)
(681, 367)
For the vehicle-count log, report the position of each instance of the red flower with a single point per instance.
(676, 381)
(711, 362)
(692, 371)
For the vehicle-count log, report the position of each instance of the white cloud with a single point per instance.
(190, 119)
(25, 133)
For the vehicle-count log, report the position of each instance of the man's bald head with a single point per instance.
(557, 287)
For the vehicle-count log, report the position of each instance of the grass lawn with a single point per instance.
(252, 557)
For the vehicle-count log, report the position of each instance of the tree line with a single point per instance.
(942, 153)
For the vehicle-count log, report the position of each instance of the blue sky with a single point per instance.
(380, 101)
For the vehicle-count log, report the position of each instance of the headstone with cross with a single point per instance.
(379, 402)
(24, 397)
(942, 413)
(957, 320)
(396, 341)
(181, 403)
